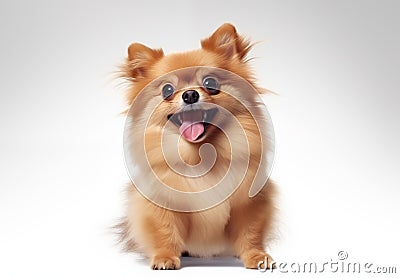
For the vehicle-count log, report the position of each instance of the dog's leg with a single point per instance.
(249, 227)
(162, 230)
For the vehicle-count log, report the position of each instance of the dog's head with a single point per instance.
(189, 86)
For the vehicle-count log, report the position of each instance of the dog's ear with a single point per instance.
(226, 41)
(141, 58)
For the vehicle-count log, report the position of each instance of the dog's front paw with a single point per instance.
(257, 260)
(165, 262)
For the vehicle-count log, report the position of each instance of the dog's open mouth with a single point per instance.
(193, 123)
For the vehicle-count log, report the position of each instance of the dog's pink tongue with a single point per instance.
(192, 126)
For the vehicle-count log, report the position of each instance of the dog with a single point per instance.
(179, 103)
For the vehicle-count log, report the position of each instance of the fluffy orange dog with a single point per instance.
(192, 92)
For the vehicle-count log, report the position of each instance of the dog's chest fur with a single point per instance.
(206, 236)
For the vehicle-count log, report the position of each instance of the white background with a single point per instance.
(334, 64)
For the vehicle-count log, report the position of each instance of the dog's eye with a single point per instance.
(167, 91)
(211, 85)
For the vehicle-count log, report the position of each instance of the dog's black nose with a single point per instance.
(190, 96)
